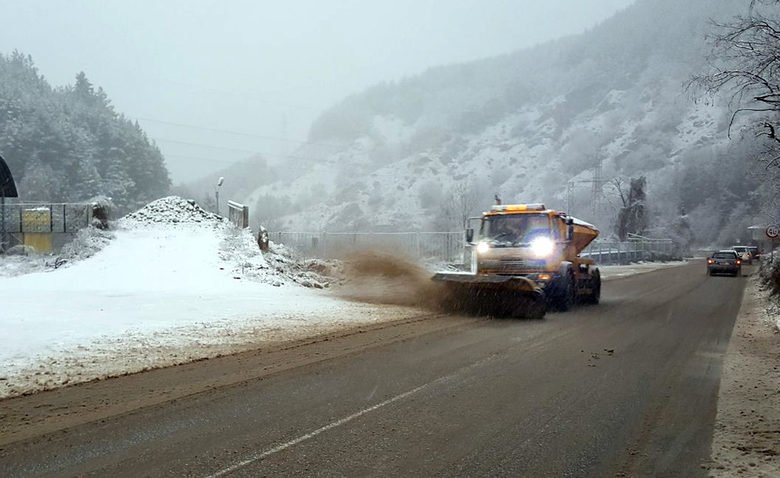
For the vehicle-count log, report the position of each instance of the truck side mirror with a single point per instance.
(469, 235)
(569, 229)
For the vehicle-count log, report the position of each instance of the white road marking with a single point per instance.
(259, 456)
(316, 432)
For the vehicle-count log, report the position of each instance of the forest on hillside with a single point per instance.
(69, 144)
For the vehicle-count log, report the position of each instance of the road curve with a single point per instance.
(625, 388)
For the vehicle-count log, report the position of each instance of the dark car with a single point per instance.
(724, 262)
(754, 253)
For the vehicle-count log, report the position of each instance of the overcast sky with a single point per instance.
(184, 68)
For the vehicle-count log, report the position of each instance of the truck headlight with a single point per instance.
(542, 247)
(483, 247)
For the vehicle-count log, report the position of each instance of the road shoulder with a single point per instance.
(746, 441)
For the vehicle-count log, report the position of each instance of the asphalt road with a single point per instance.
(625, 388)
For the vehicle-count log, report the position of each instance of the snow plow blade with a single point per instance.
(504, 296)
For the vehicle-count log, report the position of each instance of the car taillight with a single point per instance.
(739, 262)
(710, 261)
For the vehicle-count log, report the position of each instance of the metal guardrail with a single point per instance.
(631, 251)
(238, 214)
(450, 246)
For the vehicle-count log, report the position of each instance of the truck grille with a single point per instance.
(511, 265)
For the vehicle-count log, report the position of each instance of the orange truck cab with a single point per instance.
(531, 251)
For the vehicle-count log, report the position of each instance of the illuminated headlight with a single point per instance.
(542, 247)
(482, 247)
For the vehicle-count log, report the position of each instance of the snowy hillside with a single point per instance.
(424, 152)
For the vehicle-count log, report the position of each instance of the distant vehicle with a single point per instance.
(754, 252)
(744, 253)
(724, 262)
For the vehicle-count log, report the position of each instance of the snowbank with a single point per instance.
(745, 441)
(170, 283)
(615, 272)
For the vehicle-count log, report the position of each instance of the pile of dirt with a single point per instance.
(172, 210)
(313, 273)
(379, 278)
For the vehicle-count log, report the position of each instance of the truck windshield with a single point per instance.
(515, 228)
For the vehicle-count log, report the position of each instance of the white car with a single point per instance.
(744, 253)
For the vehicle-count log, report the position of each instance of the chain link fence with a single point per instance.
(440, 246)
(59, 220)
(451, 247)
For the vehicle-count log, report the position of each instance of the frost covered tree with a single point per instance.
(746, 67)
(632, 217)
(69, 144)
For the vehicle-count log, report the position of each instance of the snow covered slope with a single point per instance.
(174, 283)
(417, 153)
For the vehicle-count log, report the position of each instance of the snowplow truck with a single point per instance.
(525, 259)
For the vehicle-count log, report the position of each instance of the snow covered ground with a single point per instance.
(614, 272)
(169, 284)
(745, 442)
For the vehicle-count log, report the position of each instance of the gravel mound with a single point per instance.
(312, 273)
(171, 210)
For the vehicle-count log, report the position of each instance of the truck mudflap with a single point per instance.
(504, 296)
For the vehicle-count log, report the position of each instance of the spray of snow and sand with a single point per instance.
(173, 283)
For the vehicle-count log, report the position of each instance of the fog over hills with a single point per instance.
(422, 153)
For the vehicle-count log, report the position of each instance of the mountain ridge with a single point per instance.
(424, 152)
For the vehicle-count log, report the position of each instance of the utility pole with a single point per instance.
(598, 190)
(596, 193)
(3, 243)
(283, 148)
(216, 191)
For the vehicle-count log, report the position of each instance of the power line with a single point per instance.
(225, 148)
(205, 160)
(237, 133)
(203, 145)
(254, 95)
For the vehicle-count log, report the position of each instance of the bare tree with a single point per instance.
(619, 184)
(632, 216)
(746, 67)
(462, 200)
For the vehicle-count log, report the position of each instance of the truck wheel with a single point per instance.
(567, 293)
(537, 311)
(595, 288)
(538, 307)
(532, 306)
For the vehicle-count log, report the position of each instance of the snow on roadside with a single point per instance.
(769, 278)
(169, 284)
(745, 441)
(86, 243)
(616, 272)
